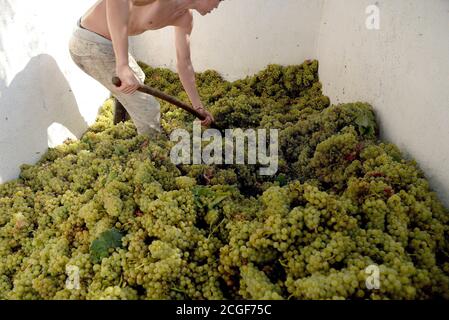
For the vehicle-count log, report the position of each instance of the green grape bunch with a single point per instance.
(112, 208)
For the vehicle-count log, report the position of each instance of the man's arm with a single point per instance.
(117, 12)
(183, 30)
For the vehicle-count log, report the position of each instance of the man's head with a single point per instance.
(206, 6)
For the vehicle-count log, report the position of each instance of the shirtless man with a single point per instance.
(99, 46)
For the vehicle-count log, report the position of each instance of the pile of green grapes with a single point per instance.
(109, 216)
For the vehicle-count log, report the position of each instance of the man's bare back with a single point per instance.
(155, 15)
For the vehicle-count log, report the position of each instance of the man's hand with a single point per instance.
(208, 117)
(129, 81)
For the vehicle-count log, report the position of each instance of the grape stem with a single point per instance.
(179, 290)
(211, 232)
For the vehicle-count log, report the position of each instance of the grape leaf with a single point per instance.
(199, 193)
(282, 179)
(204, 197)
(366, 122)
(99, 248)
(216, 201)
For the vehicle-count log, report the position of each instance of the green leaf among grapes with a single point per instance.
(217, 200)
(109, 239)
(366, 122)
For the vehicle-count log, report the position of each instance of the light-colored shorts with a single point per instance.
(94, 54)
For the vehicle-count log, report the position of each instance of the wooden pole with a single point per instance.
(161, 95)
(120, 113)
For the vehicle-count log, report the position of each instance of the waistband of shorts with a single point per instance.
(88, 35)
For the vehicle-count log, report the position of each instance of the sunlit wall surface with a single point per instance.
(44, 97)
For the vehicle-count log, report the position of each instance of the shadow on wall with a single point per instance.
(37, 109)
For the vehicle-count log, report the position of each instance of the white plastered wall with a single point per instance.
(241, 37)
(44, 97)
(402, 69)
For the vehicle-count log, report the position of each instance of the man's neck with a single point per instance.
(190, 4)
